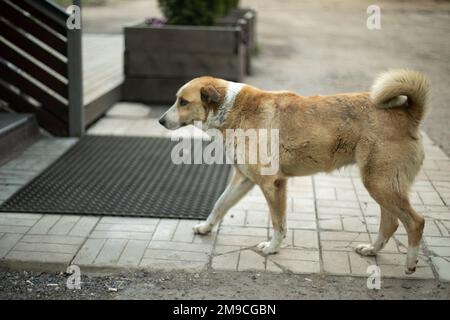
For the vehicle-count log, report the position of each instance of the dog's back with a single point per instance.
(326, 132)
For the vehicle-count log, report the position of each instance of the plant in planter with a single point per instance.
(192, 12)
(163, 54)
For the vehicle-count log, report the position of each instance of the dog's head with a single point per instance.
(194, 102)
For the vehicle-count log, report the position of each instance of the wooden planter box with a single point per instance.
(159, 60)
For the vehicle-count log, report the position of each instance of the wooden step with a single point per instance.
(17, 131)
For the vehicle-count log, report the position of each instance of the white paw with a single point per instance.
(412, 260)
(267, 247)
(411, 265)
(410, 270)
(366, 250)
(202, 228)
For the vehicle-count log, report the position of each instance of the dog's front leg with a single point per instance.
(238, 187)
(275, 193)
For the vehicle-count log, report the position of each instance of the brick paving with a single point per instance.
(328, 215)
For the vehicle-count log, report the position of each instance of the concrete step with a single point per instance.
(17, 131)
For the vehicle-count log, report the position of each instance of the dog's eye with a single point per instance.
(183, 102)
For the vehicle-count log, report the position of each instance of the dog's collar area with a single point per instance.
(217, 119)
(234, 88)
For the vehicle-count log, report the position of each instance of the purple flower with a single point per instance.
(155, 21)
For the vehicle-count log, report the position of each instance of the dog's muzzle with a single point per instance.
(170, 119)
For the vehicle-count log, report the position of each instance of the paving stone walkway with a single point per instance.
(328, 216)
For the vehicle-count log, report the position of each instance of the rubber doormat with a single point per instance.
(123, 176)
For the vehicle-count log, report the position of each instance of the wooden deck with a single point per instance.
(102, 73)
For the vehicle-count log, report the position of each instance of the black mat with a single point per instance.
(122, 176)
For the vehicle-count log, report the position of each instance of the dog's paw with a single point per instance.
(412, 260)
(411, 267)
(366, 250)
(202, 228)
(267, 247)
(410, 270)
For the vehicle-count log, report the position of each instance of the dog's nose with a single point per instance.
(162, 121)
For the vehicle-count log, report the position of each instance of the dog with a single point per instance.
(377, 130)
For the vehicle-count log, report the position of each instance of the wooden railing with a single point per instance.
(40, 65)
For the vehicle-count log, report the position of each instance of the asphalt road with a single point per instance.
(212, 286)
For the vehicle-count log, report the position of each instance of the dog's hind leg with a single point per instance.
(388, 225)
(275, 193)
(239, 186)
(392, 195)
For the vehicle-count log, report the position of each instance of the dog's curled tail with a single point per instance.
(402, 88)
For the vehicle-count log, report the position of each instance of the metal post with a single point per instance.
(75, 78)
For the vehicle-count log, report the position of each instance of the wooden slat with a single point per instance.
(61, 29)
(34, 70)
(47, 101)
(32, 48)
(152, 90)
(15, 100)
(46, 120)
(161, 63)
(51, 9)
(20, 20)
(183, 39)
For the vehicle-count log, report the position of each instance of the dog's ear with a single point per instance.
(209, 94)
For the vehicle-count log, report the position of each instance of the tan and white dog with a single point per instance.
(377, 130)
